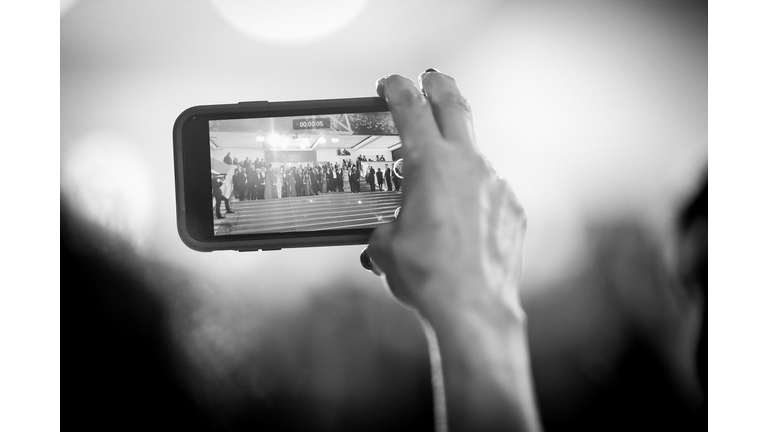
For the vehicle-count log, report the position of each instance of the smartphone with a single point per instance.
(272, 175)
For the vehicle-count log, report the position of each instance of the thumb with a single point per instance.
(380, 247)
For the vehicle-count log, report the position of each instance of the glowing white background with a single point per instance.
(589, 108)
(289, 21)
(100, 59)
(111, 49)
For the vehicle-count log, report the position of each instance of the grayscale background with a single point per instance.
(594, 110)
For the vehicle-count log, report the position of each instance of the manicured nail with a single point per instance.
(380, 85)
(365, 260)
(421, 75)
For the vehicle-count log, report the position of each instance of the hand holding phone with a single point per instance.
(295, 174)
(454, 254)
(460, 224)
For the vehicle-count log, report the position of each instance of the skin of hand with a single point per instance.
(454, 254)
(460, 222)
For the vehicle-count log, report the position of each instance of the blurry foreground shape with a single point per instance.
(613, 349)
(155, 346)
(622, 345)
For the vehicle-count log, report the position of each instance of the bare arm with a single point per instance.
(455, 254)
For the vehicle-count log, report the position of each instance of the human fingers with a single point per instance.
(452, 112)
(367, 262)
(382, 254)
(411, 113)
(418, 131)
(379, 249)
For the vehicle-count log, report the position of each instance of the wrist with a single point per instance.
(482, 350)
(476, 335)
(487, 308)
(487, 332)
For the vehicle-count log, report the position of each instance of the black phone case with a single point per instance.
(193, 221)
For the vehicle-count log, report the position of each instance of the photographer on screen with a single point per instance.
(216, 181)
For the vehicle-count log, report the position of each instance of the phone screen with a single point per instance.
(304, 173)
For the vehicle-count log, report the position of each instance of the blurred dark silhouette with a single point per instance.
(346, 361)
(693, 224)
(621, 346)
(120, 362)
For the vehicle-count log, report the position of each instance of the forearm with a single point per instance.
(455, 255)
(484, 359)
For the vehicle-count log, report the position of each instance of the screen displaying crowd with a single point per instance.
(256, 180)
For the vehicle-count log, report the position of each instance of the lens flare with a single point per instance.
(397, 168)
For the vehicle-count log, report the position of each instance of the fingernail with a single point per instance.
(380, 85)
(421, 76)
(365, 260)
(368, 263)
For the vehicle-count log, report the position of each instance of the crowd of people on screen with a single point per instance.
(256, 180)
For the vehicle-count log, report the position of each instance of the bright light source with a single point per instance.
(321, 140)
(260, 138)
(291, 21)
(334, 139)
